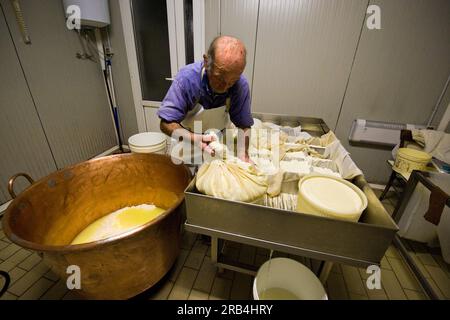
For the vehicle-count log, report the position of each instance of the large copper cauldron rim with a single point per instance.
(78, 247)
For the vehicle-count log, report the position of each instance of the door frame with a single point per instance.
(175, 16)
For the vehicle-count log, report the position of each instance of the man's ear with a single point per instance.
(205, 59)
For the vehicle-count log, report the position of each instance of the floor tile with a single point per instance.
(420, 266)
(183, 285)
(392, 286)
(221, 289)
(260, 260)
(385, 264)
(233, 244)
(392, 252)
(442, 264)
(427, 259)
(51, 276)
(56, 292)
(241, 288)
(415, 295)
(8, 296)
(263, 251)
(336, 287)
(8, 251)
(353, 280)
(363, 273)
(205, 276)
(72, 295)
(247, 254)
(354, 296)
(436, 289)
(188, 240)
(194, 259)
(377, 294)
(3, 244)
(179, 263)
(25, 282)
(30, 262)
(164, 291)
(336, 268)
(14, 260)
(200, 246)
(404, 275)
(37, 289)
(15, 274)
(226, 274)
(441, 279)
(231, 253)
(198, 295)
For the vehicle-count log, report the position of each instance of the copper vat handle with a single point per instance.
(13, 179)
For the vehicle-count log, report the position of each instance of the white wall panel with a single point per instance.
(69, 93)
(212, 20)
(23, 145)
(121, 73)
(398, 74)
(238, 18)
(304, 53)
(151, 119)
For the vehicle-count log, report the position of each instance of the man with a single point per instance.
(212, 91)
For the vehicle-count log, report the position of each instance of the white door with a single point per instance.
(159, 37)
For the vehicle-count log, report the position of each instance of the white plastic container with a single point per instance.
(148, 142)
(408, 160)
(287, 279)
(330, 197)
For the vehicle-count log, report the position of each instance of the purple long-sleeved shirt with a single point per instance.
(189, 87)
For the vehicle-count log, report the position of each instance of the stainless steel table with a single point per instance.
(360, 243)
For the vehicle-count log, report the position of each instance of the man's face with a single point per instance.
(222, 78)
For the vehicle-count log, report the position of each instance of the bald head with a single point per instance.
(225, 62)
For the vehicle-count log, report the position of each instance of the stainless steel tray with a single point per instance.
(360, 243)
(314, 126)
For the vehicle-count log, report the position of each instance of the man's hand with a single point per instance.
(199, 140)
(203, 142)
(246, 158)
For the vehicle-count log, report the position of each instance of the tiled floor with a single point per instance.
(195, 277)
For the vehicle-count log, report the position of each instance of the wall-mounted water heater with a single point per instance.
(94, 13)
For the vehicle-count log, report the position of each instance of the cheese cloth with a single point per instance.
(227, 177)
(231, 179)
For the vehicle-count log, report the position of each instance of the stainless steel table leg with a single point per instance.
(214, 249)
(325, 272)
(215, 243)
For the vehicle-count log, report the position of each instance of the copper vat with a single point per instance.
(52, 211)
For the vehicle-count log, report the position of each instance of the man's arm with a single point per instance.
(201, 140)
(243, 144)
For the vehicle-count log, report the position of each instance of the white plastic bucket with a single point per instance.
(331, 197)
(287, 279)
(148, 142)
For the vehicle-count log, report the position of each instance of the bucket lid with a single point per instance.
(156, 146)
(333, 195)
(414, 155)
(147, 139)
